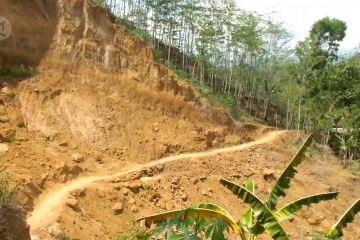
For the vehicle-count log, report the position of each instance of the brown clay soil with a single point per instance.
(101, 124)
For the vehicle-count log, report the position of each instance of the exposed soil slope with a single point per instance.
(45, 212)
(97, 101)
(98, 105)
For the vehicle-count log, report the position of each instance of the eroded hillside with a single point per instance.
(96, 101)
(96, 105)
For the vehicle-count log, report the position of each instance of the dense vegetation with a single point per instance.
(243, 60)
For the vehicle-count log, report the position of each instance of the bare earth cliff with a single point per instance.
(96, 134)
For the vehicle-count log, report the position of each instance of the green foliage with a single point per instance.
(265, 216)
(68, 238)
(337, 230)
(283, 183)
(7, 194)
(207, 220)
(135, 234)
(327, 33)
(10, 73)
(293, 208)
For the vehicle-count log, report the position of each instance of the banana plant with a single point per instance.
(263, 216)
(260, 217)
(209, 220)
(206, 220)
(336, 232)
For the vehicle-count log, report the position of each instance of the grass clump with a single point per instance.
(135, 234)
(7, 194)
(9, 73)
(68, 238)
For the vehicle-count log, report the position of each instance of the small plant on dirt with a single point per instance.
(68, 238)
(7, 194)
(135, 234)
(207, 220)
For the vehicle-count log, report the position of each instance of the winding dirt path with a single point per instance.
(50, 203)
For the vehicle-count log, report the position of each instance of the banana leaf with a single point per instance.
(203, 211)
(337, 230)
(293, 208)
(283, 183)
(264, 215)
(248, 217)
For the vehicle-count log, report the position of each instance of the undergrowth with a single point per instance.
(7, 194)
(10, 73)
(68, 238)
(135, 234)
(227, 101)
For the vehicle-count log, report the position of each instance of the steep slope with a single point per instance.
(101, 85)
(97, 102)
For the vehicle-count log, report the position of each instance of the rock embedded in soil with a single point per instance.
(175, 180)
(80, 192)
(160, 167)
(77, 157)
(7, 92)
(4, 119)
(134, 186)
(184, 197)
(269, 174)
(134, 209)
(72, 203)
(63, 144)
(203, 178)
(195, 181)
(7, 135)
(55, 231)
(118, 208)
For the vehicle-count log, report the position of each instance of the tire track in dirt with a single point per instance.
(50, 203)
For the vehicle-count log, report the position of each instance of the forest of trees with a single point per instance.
(244, 59)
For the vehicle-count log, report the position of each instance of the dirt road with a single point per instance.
(49, 204)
